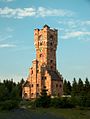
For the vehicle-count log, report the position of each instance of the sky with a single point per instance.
(19, 18)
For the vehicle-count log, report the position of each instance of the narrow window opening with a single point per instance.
(51, 67)
(51, 61)
(51, 44)
(56, 85)
(45, 77)
(32, 85)
(31, 94)
(37, 85)
(40, 55)
(40, 43)
(60, 85)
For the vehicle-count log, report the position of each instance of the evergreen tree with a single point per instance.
(69, 88)
(66, 87)
(80, 87)
(44, 100)
(87, 86)
(20, 86)
(74, 87)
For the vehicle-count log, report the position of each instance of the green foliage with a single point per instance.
(20, 87)
(9, 94)
(43, 100)
(80, 87)
(4, 93)
(9, 104)
(74, 88)
(67, 87)
(80, 92)
(62, 102)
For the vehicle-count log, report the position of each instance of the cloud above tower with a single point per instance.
(7, 0)
(20, 13)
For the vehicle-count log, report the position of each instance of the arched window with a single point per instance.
(31, 72)
(51, 43)
(60, 85)
(40, 55)
(51, 67)
(25, 95)
(51, 61)
(37, 85)
(31, 94)
(40, 43)
(56, 85)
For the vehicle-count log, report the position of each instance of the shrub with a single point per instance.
(62, 102)
(9, 104)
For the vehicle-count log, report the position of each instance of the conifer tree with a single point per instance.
(74, 87)
(80, 87)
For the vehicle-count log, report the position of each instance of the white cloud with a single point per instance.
(7, 0)
(39, 12)
(75, 28)
(85, 22)
(9, 29)
(17, 13)
(75, 34)
(53, 12)
(7, 45)
(74, 23)
(4, 38)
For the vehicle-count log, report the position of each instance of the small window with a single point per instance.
(51, 44)
(44, 87)
(51, 67)
(40, 43)
(37, 94)
(42, 78)
(60, 85)
(25, 94)
(51, 61)
(37, 85)
(45, 77)
(31, 94)
(56, 85)
(40, 55)
(37, 71)
(32, 85)
(32, 72)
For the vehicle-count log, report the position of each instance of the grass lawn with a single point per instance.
(67, 113)
(39, 113)
(4, 114)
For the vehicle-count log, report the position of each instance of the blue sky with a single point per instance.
(19, 18)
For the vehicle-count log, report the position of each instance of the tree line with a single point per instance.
(10, 94)
(79, 91)
(76, 94)
(76, 88)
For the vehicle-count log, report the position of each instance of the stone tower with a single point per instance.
(43, 71)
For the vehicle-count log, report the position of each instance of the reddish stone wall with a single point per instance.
(45, 41)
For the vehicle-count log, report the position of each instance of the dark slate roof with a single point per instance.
(26, 84)
(54, 75)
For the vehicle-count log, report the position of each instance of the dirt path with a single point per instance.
(25, 114)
